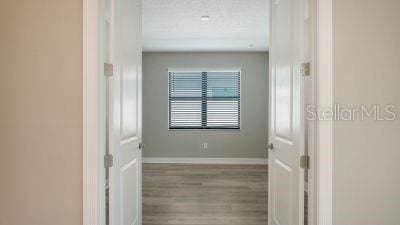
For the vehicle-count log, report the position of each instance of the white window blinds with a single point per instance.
(204, 100)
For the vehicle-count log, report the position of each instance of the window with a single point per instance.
(204, 99)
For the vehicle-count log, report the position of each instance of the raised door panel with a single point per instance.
(130, 64)
(283, 71)
(129, 186)
(282, 195)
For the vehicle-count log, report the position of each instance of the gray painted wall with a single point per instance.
(366, 67)
(249, 142)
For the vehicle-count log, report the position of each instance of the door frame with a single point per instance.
(321, 143)
(92, 203)
(320, 183)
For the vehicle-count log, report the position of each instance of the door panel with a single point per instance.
(282, 194)
(129, 183)
(283, 66)
(285, 113)
(129, 58)
(125, 114)
(283, 60)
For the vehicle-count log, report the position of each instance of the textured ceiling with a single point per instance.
(175, 25)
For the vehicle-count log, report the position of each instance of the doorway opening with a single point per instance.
(205, 95)
(281, 131)
(206, 116)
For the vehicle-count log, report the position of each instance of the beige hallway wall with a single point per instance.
(366, 45)
(41, 112)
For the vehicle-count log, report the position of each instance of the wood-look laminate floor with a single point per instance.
(204, 194)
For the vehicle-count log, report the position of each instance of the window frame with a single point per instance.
(201, 70)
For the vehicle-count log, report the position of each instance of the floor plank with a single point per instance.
(204, 194)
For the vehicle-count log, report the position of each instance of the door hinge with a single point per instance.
(305, 162)
(108, 160)
(305, 69)
(108, 69)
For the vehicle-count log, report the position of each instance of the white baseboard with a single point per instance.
(260, 161)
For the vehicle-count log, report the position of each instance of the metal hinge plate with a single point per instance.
(108, 69)
(305, 69)
(108, 161)
(305, 162)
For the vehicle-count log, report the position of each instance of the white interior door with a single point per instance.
(125, 114)
(286, 127)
